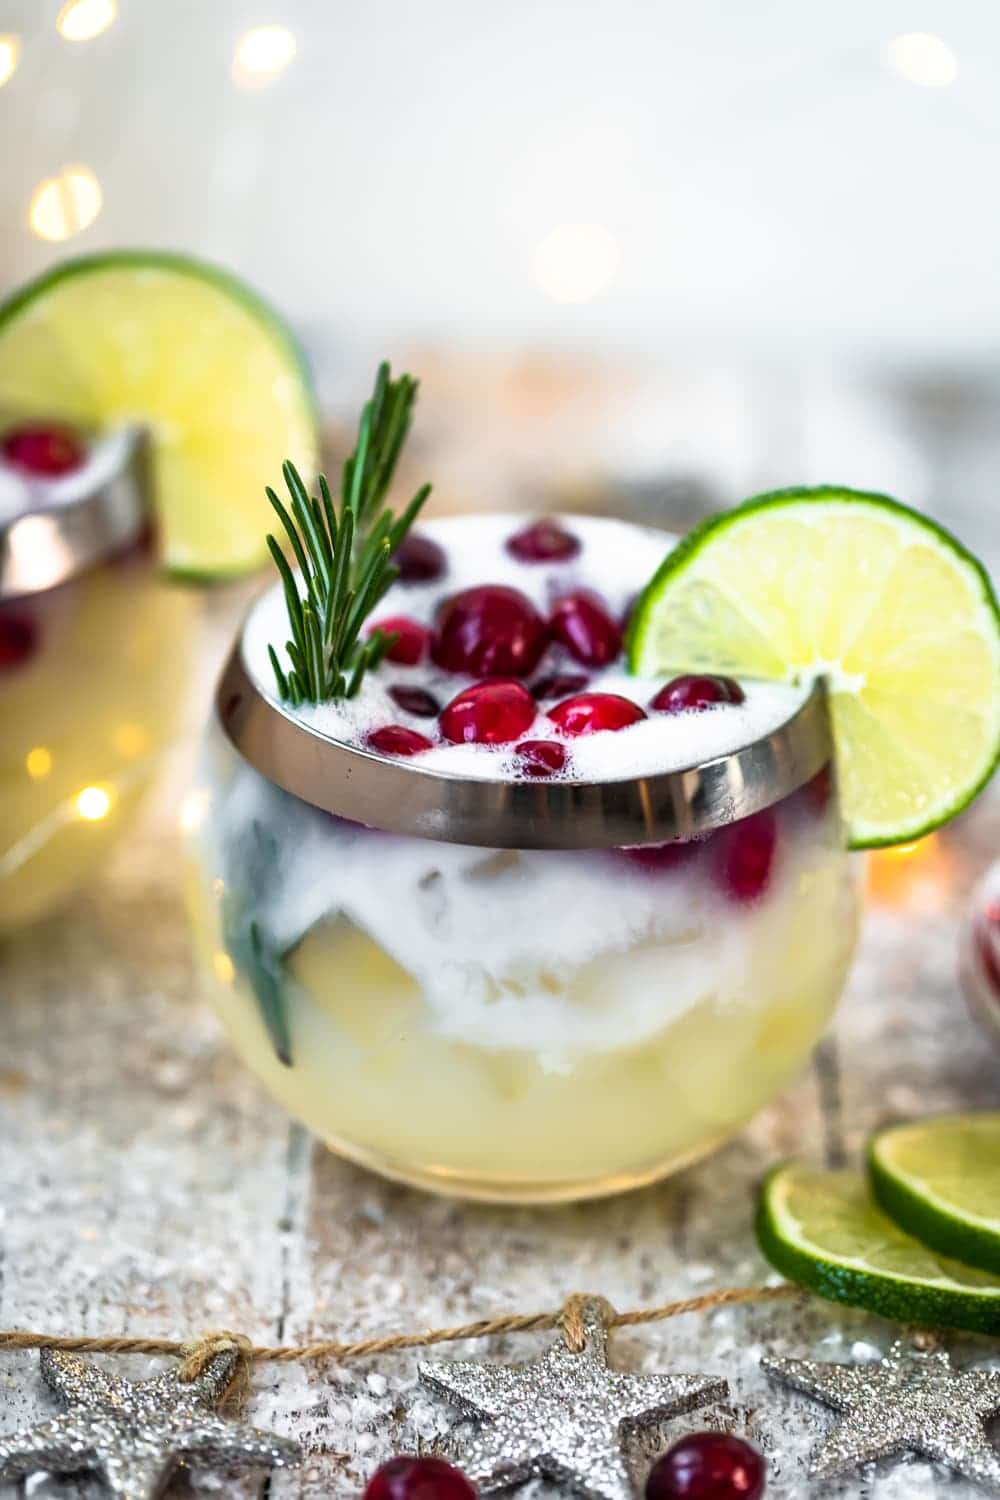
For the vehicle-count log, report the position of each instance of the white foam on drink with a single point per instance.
(616, 560)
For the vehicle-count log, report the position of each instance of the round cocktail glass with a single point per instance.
(517, 990)
(92, 672)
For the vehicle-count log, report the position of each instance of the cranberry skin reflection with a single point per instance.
(687, 693)
(580, 622)
(745, 856)
(490, 713)
(540, 758)
(419, 560)
(708, 1466)
(418, 1479)
(588, 713)
(18, 638)
(412, 641)
(45, 450)
(543, 541)
(489, 631)
(416, 701)
(396, 739)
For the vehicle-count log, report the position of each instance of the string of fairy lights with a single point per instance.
(572, 262)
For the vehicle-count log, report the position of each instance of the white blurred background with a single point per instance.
(669, 252)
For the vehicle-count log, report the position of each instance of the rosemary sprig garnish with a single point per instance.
(343, 549)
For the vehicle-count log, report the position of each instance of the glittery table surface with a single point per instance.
(148, 1185)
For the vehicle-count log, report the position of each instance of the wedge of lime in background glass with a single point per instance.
(891, 609)
(940, 1180)
(822, 1230)
(197, 359)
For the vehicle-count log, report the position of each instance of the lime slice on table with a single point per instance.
(196, 358)
(940, 1179)
(891, 609)
(822, 1230)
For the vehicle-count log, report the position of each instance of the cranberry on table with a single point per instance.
(588, 713)
(559, 685)
(489, 631)
(419, 1479)
(412, 640)
(489, 713)
(708, 1466)
(543, 541)
(541, 757)
(418, 559)
(18, 638)
(745, 856)
(396, 739)
(46, 450)
(690, 692)
(580, 622)
(414, 700)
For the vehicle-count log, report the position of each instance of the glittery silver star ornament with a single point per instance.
(910, 1401)
(564, 1416)
(134, 1433)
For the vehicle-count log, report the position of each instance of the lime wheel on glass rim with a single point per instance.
(898, 617)
(194, 357)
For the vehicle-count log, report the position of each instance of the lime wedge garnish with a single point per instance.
(940, 1179)
(196, 358)
(891, 609)
(822, 1230)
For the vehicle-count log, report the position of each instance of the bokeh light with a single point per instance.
(262, 55)
(924, 59)
(82, 20)
(10, 51)
(93, 803)
(575, 262)
(38, 762)
(65, 205)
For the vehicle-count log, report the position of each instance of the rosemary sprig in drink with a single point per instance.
(343, 549)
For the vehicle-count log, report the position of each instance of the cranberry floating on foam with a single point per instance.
(489, 713)
(396, 739)
(411, 639)
(489, 631)
(589, 713)
(559, 685)
(44, 450)
(580, 622)
(684, 694)
(540, 758)
(415, 700)
(419, 560)
(543, 542)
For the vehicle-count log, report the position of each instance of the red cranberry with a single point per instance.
(414, 700)
(543, 541)
(816, 793)
(45, 449)
(489, 631)
(418, 1479)
(18, 638)
(418, 559)
(745, 856)
(541, 757)
(582, 624)
(412, 639)
(395, 739)
(559, 685)
(489, 713)
(685, 693)
(708, 1466)
(589, 712)
(656, 857)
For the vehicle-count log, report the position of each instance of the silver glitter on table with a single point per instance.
(135, 1433)
(564, 1416)
(909, 1401)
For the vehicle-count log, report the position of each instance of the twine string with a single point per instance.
(568, 1319)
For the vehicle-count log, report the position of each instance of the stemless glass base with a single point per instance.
(517, 1026)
